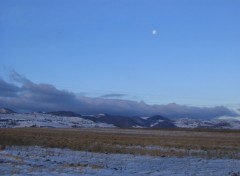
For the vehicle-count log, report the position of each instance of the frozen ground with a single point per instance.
(52, 161)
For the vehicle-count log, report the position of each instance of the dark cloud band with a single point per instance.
(25, 95)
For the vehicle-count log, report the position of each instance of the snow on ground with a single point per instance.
(157, 122)
(236, 118)
(47, 120)
(214, 123)
(53, 161)
(145, 118)
(191, 123)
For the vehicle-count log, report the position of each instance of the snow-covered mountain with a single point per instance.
(215, 123)
(6, 111)
(16, 120)
(68, 119)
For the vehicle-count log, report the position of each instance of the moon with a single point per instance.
(154, 32)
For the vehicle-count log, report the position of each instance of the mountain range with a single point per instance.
(69, 119)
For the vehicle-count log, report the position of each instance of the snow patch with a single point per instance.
(144, 118)
(54, 161)
(157, 122)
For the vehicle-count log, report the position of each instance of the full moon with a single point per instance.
(154, 32)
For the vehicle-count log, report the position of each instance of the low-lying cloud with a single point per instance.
(24, 95)
(113, 95)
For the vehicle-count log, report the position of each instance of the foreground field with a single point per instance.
(53, 161)
(197, 143)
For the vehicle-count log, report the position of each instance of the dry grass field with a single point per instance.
(202, 143)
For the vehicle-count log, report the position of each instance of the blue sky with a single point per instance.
(98, 47)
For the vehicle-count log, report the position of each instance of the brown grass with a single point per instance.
(204, 143)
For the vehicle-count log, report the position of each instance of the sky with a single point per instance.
(157, 51)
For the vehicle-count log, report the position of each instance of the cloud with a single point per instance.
(7, 89)
(33, 97)
(113, 95)
(24, 95)
(179, 111)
